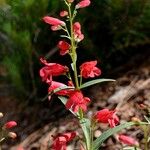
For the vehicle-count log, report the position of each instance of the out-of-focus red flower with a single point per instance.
(53, 21)
(64, 13)
(77, 100)
(107, 116)
(83, 3)
(64, 47)
(20, 148)
(60, 142)
(77, 32)
(89, 69)
(10, 124)
(127, 140)
(51, 69)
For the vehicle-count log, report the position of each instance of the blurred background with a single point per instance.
(116, 31)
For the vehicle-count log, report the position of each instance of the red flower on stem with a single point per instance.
(77, 32)
(60, 142)
(77, 100)
(83, 3)
(127, 140)
(51, 69)
(64, 13)
(10, 124)
(53, 21)
(54, 85)
(89, 69)
(107, 116)
(64, 47)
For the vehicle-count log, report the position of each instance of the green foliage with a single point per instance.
(20, 26)
(96, 81)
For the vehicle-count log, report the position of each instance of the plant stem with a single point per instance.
(145, 128)
(73, 48)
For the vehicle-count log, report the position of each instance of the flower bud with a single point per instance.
(12, 135)
(10, 125)
(63, 13)
(83, 3)
(1, 115)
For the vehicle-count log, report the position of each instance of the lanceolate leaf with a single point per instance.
(64, 101)
(57, 90)
(62, 88)
(105, 135)
(85, 125)
(96, 81)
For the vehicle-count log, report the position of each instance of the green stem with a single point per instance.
(73, 48)
(92, 134)
(145, 128)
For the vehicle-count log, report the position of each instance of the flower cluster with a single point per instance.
(60, 141)
(5, 131)
(76, 101)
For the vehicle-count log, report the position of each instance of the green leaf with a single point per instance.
(96, 81)
(85, 125)
(72, 66)
(105, 135)
(147, 119)
(62, 88)
(131, 148)
(64, 101)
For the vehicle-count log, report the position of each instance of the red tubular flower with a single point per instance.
(88, 69)
(76, 101)
(107, 116)
(51, 69)
(64, 13)
(83, 3)
(46, 75)
(60, 142)
(77, 32)
(54, 85)
(53, 21)
(127, 140)
(64, 47)
(10, 125)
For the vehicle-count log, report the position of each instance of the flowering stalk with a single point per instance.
(71, 95)
(73, 47)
